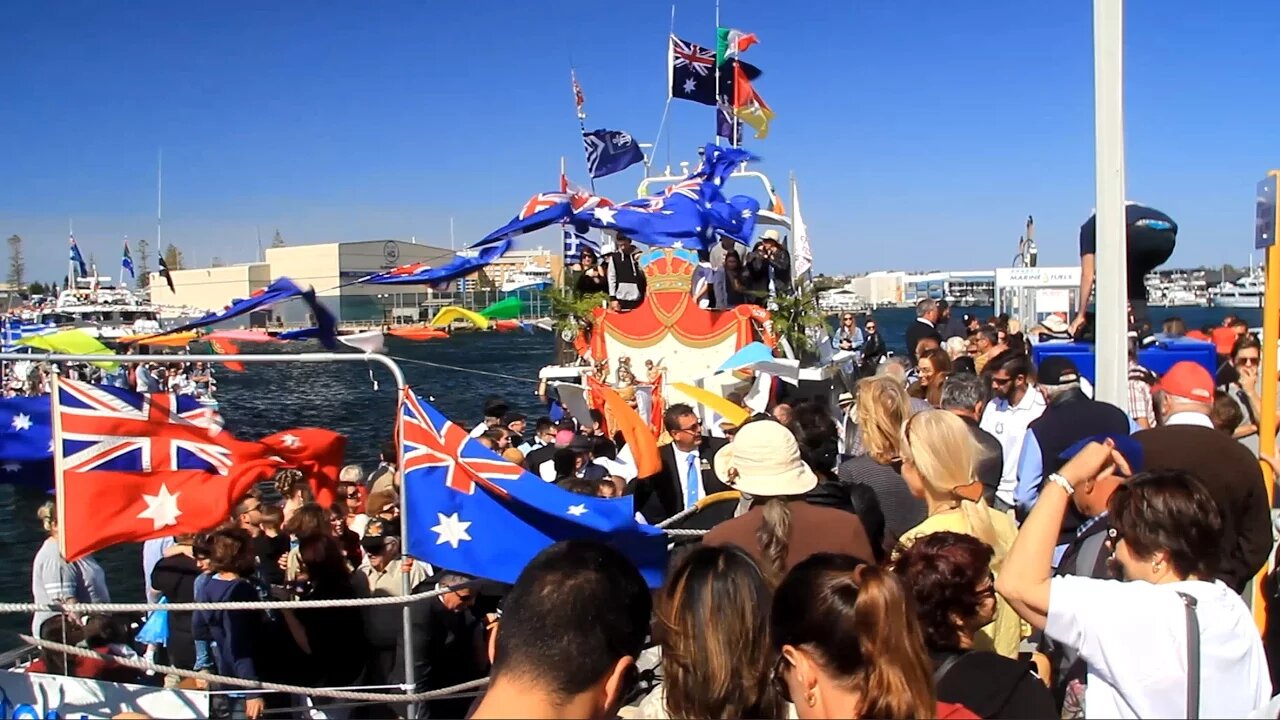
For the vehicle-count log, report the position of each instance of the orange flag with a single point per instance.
(223, 346)
(644, 446)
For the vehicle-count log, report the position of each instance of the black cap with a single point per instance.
(1057, 370)
(581, 443)
(512, 417)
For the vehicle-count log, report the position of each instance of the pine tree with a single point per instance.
(172, 257)
(144, 264)
(278, 240)
(17, 268)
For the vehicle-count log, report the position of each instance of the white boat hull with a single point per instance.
(1237, 301)
(51, 696)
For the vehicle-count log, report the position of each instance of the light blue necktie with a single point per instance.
(694, 478)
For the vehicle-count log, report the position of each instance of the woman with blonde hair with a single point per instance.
(713, 625)
(882, 407)
(938, 460)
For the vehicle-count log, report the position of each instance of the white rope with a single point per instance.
(87, 608)
(679, 516)
(462, 369)
(140, 664)
(679, 532)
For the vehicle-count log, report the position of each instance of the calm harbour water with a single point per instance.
(274, 397)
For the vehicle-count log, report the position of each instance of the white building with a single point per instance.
(878, 288)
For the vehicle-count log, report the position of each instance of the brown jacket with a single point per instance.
(814, 529)
(1233, 477)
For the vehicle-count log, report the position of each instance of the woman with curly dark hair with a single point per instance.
(949, 575)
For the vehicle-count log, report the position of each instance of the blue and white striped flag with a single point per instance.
(574, 241)
(14, 329)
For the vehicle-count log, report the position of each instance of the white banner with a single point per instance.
(54, 697)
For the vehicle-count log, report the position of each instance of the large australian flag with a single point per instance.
(467, 509)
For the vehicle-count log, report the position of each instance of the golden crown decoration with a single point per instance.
(669, 270)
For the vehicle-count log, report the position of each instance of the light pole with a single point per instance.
(382, 302)
(1111, 345)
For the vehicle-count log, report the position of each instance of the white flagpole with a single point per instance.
(717, 64)
(1108, 81)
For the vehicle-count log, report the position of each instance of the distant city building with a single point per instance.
(976, 287)
(879, 288)
(333, 268)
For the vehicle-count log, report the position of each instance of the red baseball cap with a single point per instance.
(1189, 381)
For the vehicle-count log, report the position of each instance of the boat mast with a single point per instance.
(71, 263)
(159, 197)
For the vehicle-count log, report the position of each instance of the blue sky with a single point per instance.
(922, 133)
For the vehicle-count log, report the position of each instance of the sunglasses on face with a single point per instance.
(779, 678)
(1250, 361)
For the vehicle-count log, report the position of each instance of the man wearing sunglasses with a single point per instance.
(1015, 404)
(686, 476)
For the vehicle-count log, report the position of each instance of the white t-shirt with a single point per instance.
(1133, 637)
(1008, 423)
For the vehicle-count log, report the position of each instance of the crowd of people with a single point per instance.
(32, 378)
(967, 535)
(727, 275)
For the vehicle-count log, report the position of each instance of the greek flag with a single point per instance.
(610, 151)
(15, 329)
(574, 242)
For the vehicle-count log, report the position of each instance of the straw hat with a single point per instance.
(764, 461)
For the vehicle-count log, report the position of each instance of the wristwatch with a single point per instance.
(1062, 482)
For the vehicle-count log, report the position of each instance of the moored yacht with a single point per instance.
(101, 310)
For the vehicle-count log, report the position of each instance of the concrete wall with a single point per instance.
(209, 288)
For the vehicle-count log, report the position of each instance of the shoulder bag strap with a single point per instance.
(945, 667)
(1193, 657)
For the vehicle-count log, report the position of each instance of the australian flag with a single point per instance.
(610, 151)
(461, 266)
(574, 242)
(539, 211)
(693, 72)
(469, 510)
(692, 69)
(277, 292)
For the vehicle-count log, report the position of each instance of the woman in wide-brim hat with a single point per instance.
(780, 528)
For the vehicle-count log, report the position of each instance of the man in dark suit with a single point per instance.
(689, 455)
(925, 326)
(444, 640)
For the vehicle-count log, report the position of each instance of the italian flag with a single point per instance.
(731, 43)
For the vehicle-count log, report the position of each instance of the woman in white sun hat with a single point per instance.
(780, 529)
